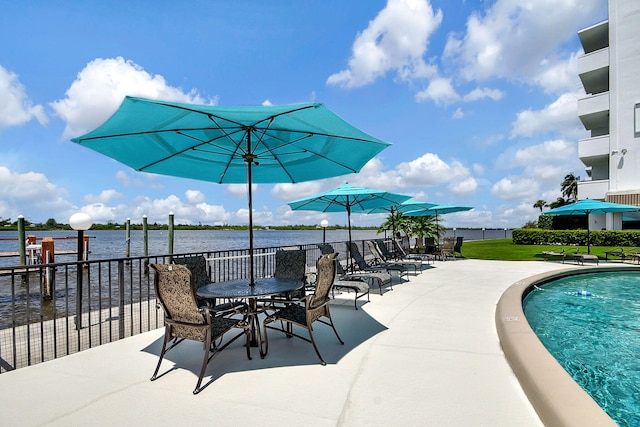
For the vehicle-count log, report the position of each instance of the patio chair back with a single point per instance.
(198, 266)
(291, 264)
(458, 246)
(326, 270)
(176, 293)
(447, 248)
(429, 245)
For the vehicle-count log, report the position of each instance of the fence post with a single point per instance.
(127, 253)
(145, 241)
(121, 299)
(21, 241)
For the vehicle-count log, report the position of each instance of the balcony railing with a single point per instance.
(45, 315)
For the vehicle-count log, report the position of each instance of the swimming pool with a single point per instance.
(591, 324)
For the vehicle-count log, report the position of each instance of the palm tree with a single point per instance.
(396, 222)
(569, 187)
(559, 202)
(540, 204)
(425, 226)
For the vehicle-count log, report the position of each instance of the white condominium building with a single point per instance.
(610, 73)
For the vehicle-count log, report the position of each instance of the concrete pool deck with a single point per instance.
(426, 353)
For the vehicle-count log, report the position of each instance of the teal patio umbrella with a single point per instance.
(348, 198)
(258, 144)
(589, 206)
(438, 209)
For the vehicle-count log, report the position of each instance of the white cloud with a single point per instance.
(458, 114)
(396, 40)
(15, 107)
(519, 39)
(101, 86)
(464, 187)
(553, 150)
(515, 188)
(289, 192)
(481, 93)
(32, 195)
(429, 169)
(104, 197)
(559, 116)
(241, 190)
(194, 196)
(440, 90)
(560, 76)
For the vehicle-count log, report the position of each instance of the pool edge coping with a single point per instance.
(556, 397)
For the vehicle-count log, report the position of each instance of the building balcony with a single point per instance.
(591, 149)
(593, 189)
(593, 69)
(595, 37)
(594, 111)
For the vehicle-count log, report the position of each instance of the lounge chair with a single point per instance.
(185, 319)
(415, 257)
(375, 250)
(554, 255)
(358, 284)
(582, 258)
(314, 308)
(363, 266)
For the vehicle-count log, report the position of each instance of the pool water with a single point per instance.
(591, 324)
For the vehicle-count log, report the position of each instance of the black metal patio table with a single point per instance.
(240, 289)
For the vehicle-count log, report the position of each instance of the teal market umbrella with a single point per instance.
(589, 206)
(257, 144)
(351, 199)
(438, 209)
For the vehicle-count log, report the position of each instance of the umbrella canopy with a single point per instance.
(589, 206)
(406, 206)
(350, 199)
(260, 144)
(438, 209)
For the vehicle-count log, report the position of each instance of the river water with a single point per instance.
(108, 244)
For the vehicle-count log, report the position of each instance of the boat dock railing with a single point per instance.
(52, 310)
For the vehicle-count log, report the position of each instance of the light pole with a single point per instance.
(454, 232)
(482, 233)
(324, 224)
(80, 221)
(505, 233)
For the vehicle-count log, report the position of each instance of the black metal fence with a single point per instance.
(52, 310)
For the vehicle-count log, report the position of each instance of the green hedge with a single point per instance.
(537, 236)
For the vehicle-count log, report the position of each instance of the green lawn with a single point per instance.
(505, 250)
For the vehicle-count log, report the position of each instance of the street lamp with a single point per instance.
(80, 221)
(482, 233)
(505, 233)
(324, 224)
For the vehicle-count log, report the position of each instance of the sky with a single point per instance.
(477, 98)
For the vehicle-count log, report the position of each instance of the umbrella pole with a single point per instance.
(588, 240)
(249, 158)
(349, 226)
